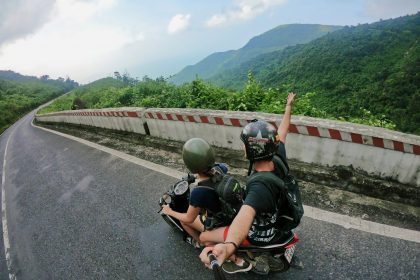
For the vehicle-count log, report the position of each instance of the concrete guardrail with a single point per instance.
(377, 151)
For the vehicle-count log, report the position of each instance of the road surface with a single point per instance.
(75, 212)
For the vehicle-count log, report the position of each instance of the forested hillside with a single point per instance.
(98, 94)
(159, 93)
(367, 74)
(20, 94)
(274, 39)
(367, 68)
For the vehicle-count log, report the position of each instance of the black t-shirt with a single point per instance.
(205, 198)
(264, 198)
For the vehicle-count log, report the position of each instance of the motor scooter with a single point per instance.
(270, 258)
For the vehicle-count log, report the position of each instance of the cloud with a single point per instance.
(82, 10)
(216, 20)
(60, 51)
(19, 18)
(178, 23)
(391, 8)
(243, 10)
(73, 41)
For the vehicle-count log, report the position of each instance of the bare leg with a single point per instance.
(194, 229)
(212, 237)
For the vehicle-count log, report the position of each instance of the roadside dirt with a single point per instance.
(342, 190)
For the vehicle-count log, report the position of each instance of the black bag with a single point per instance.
(289, 215)
(231, 195)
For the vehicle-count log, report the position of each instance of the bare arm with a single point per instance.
(188, 217)
(240, 226)
(285, 122)
(238, 231)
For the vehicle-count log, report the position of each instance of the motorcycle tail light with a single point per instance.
(292, 242)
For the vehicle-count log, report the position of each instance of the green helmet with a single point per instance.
(198, 156)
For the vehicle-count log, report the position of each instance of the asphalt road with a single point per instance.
(74, 212)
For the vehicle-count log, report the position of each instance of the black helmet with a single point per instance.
(259, 138)
(198, 156)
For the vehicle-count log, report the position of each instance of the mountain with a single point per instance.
(20, 94)
(370, 67)
(272, 40)
(13, 76)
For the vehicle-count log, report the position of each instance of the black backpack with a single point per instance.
(231, 195)
(289, 215)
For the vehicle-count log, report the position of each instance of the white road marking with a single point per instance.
(360, 224)
(6, 240)
(150, 165)
(311, 212)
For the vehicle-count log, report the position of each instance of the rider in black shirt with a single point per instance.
(253, 221)
(199, 158)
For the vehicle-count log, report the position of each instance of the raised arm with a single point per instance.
(285, 122)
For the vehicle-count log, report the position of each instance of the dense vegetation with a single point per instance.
(275, 39)
(20, 94)
(109, 92)
(99, 94)
(368, 69)
(367, 74)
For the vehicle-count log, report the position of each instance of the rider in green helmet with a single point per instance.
(198, 156)
(204, 201)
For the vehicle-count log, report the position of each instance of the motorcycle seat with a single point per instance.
(284, 240)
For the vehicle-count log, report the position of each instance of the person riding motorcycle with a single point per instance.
(256, 220)
(199, 158)
(204, 202)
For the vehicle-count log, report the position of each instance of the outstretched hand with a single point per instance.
(291, 98)
(219, 250)
(166, 209)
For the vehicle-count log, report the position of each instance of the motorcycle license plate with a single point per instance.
(288, 254)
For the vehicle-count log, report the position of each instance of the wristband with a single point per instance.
(234, 244)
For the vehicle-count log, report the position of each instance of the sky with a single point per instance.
(90, 39)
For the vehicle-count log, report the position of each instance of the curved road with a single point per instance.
(74, 212)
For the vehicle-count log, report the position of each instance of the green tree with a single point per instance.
(77, 104)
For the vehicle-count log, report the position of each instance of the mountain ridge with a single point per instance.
(271, 40)
(370, 67)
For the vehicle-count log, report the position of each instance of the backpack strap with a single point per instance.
(270, 178)
(280, 167)
(204, 187)
(203, 211)
(279, 185)
(251, 164)
(216, 219)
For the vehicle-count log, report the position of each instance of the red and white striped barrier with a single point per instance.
(377, 151)
(197, 119)
(314, 131)
(133, 114)
(127, 119)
